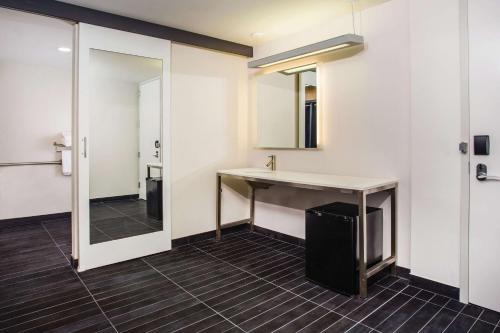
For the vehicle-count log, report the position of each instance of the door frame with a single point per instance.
(465, 160)
(142, 180)
(91, 256)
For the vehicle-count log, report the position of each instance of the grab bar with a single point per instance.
(30, 163)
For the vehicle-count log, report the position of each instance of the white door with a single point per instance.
(113, 224)
(484, 76)
(149, 131)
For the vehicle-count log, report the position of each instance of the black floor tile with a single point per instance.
(371, 305)
(482, 327)
(440, 322)
(246, 282)
(384, 311)
(327, 321)
(490, 316)
(420, 318)
(401, 316)
(304, 319)
(454, 305)
(462, 323)
(118, 219)
(472, 310)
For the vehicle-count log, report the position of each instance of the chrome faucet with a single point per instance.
(272, 162)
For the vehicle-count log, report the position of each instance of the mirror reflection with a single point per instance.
(125, 137)
(286, 108)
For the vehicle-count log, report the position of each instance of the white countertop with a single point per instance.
(312, 179)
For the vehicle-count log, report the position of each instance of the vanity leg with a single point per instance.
(394, 226)
(252, 208)
(218, 209)
(363, 285)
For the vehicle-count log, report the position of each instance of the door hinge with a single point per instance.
(138, 154)
(463, 147)
(139, 184)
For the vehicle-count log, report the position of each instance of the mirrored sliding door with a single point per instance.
(123, 158)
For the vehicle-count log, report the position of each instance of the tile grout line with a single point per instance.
(196, 322)
(442, 306)
(388, 287)
(177, 320)
(302, 315)
(474, 323)
(418, 310)
(276, 239)
(130, 217)
(369, 314)
(258, 277)
(454, 318)
(199, 300)
(434, 316)
(397, 293)
(249, 298)
(83, 283)
(102, 232)
(399, 308)
(269, 247)
(274, 307)
(261, 252)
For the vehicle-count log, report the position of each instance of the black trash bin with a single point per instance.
(154, 197)
(332, 244)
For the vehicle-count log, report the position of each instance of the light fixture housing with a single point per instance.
(300, 69)
(325, 46)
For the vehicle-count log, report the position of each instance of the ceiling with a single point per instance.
(233, 20)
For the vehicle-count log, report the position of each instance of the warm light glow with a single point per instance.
(64, 49)
(257, 34)
(299, 69)
(306, 55)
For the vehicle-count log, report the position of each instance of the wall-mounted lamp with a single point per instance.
(325, 46)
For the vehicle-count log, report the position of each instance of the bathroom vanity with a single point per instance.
(359, 186)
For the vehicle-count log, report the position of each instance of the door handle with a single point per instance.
(85, 146)
(482, 173)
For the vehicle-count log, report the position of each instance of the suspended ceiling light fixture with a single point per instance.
(325, 46)
(295, 70)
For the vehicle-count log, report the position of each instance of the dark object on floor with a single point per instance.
(154, 197)
(331, 244)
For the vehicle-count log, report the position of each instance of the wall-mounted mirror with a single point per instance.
(125, 136)
(286, 103)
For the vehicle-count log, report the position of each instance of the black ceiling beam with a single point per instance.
(96, 17)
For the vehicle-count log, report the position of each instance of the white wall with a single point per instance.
(209, 117)
(114, 138)
(435, 134)
(36, 108)
(364, 104)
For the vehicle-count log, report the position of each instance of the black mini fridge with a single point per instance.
(154, 195)
(332, 244)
